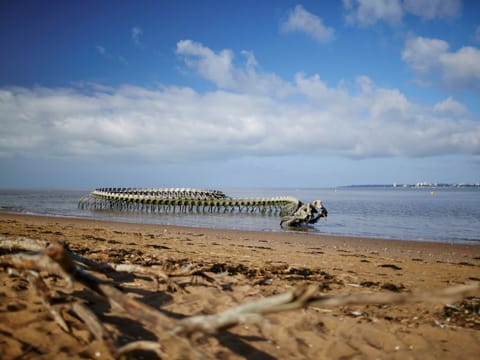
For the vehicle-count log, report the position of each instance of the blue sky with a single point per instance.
(239, 93)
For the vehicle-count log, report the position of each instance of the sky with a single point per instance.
(219, 94)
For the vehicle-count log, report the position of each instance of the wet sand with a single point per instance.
(252, 265)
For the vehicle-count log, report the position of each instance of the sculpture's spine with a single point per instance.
(181, 200)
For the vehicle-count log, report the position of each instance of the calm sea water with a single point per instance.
(450, 215)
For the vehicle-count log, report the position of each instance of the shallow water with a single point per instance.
(450, 215)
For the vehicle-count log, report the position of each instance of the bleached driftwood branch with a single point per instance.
(22, 243)
(303, 297)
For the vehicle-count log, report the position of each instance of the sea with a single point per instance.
(449, 215)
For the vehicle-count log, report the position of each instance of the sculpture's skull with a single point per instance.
(306, 214)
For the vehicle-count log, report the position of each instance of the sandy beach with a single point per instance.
(248, 266)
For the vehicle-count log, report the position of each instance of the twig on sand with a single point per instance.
(95, 327)
(43, 293)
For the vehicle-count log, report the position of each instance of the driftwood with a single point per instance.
(56, 259)
(303, 297)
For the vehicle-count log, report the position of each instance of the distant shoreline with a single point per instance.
(415, 186)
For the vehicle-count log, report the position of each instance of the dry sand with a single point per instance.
(251, 265)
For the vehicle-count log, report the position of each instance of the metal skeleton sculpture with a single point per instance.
(292, 211)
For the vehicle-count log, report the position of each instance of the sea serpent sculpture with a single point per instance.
(293, 212)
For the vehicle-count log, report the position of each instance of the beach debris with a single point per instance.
(185, 200)
(391, 266)
(466, 313)
(439, 324)
(56, 259)
(356, 313)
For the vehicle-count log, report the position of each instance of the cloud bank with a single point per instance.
(250, 113)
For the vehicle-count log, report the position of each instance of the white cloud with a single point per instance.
(365, 84)
(368, 12)
(430, 9)
(219, 68)
(301, 20)
(431, 57)
(451, 106)
(477, 34)
(216, 67)
(101, 50)
(422, 54)
(136, 32)
(462, 68)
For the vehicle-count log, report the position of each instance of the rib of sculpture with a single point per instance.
(293, 212)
